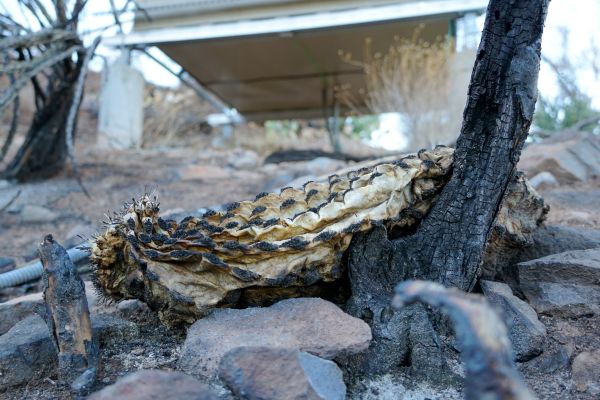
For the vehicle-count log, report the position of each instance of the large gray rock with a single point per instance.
(553, 239)
(263, 373)
(32, 213)
(586, 372)
(18, 309)
(565, 284)
(26, 350)
(312, 325)
(570, 161)
(527, 334)
(155, 385)
(544, 180)
(14, 310)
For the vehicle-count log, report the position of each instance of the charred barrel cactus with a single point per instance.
(271, 247)
(278, 245)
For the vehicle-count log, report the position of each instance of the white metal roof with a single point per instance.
(291, 23)
(275, 59)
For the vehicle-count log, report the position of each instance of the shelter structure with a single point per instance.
(279, 59)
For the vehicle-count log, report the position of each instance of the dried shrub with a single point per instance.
(414, 78)
(173, 114)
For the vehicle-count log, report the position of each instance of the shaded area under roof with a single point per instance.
(287, 63)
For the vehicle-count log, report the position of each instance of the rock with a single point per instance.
(84, 382)
(243, 159)
(527, 334)
(544, 180)
(282, 179)
(553, 239)
(549, 363)
(565, 284)
(32, 213)
(264, 373)
(14, 310)
(111, 328)
(155, 385)
(78, 235)
(132, 307)
(569, 161)
(312, 325)
(323, 166)
(18, 309)
(295, 174)
(586, 372)
(7, 264)
(203, 173)
(27, 351)
(579, 218)
(298, 182)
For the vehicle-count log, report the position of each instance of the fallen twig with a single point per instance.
(485, 348)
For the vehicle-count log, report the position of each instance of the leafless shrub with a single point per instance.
(413, 78)
(172, 114)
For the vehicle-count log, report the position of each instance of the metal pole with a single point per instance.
(33, 270)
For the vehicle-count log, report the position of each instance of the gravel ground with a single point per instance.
(187, 178)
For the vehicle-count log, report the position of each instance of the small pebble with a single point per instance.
(137, 351)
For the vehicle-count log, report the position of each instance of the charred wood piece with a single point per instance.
(67, 314)
(482, 337)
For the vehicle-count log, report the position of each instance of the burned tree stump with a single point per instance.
(450, 243)
(67, 314)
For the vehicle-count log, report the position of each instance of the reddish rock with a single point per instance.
(586, 372)
(569, 161)
(312, 325)
(263, 373)
(155, 385)
(203, 173)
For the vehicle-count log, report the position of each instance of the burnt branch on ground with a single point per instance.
(67, 315)
(481, 335)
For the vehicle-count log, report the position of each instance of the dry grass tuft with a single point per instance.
(414, 78)
(173, 114)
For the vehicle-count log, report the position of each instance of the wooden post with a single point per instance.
(67, 313)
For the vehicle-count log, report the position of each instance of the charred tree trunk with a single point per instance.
(449, 244)
(44, 151)
(49, 55)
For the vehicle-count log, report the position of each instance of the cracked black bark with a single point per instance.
(449, 244)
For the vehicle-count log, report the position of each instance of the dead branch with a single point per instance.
(485, 348)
